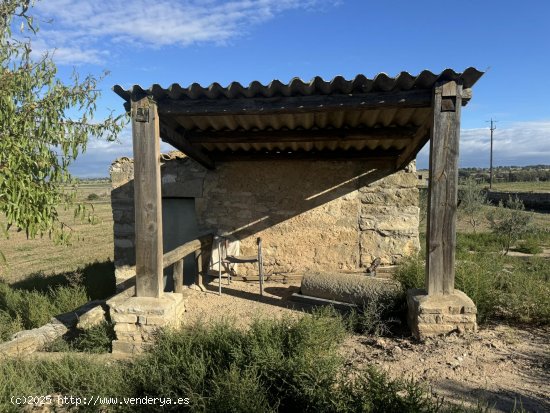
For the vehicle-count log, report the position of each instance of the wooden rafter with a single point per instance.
(385, 156)
(307, 135)
(172, 133)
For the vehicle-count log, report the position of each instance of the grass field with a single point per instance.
(522, 186)
(91, 243)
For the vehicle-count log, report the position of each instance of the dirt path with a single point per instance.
(501, 365)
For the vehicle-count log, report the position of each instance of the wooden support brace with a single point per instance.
(178, 276)
(442, 189)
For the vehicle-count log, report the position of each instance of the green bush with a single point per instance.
(411, 273)
(93, 197)
(8, 325)
(288, 365)
(378, 315)
(472, 200)
(478, 242)
(96, 339)
(68, 376)
(502, 287)
(529, 246)
(22, 309)
(509, 222)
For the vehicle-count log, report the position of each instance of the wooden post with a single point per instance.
(442, 189)
(178, 276)
(203, 262)
(199, 262)
(147, 198)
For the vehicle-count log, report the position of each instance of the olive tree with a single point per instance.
(509, 222)
(45, 123)
(472, 199)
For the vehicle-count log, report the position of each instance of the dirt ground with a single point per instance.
(499, 365)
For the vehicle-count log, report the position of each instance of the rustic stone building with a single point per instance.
(340, 217)
(323, 171)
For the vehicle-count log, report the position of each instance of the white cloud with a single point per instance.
(82, 30)
(519, 143)
(99, 155)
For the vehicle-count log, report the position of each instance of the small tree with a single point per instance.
(509, 222)
(45, 123)
(471, 202)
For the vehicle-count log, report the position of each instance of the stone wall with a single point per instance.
(181, 177)
(538, 201)
(311, 215)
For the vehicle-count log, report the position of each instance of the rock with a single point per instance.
(91, 318)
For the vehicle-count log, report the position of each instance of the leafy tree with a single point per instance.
(45, 123)
(509, 222)
(472, 198)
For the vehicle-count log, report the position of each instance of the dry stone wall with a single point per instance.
(311, 215)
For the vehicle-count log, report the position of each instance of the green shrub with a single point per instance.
(8, 325)
(478, 242)
(508, 288)
(411, 273)
(96, 339)
(22, 309)
(93, 197)
(69, 376)
(472, 199)
(529, 246)
(509, 222)
(288, 365)
(378, 316)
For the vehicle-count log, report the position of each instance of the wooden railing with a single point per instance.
(201, 246)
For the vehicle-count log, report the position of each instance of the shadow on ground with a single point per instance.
(98, 278)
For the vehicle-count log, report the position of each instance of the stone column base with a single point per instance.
(433, 315)
(136, 319)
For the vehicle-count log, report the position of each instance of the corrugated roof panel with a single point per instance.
(403, 117)
(297, 87)
(369, 118)
(387, 117)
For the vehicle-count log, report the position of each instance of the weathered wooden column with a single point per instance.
(440, 309)
(442, 189)
(147, 198)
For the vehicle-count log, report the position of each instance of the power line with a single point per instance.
(493, 127)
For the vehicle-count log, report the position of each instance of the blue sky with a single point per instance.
(144, 42)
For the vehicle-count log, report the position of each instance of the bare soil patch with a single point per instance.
(505, 366)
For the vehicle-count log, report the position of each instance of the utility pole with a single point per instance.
(493, 127)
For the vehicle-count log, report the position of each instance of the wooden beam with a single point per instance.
(174, 134)
(189, 247)
(417, 143)
(442, 189)
(147, 198)
(307, 135)
(296, 104)
(387, 156)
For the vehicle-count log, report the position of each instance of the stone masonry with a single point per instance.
(137, 319)
(311, 215)
(433, 315)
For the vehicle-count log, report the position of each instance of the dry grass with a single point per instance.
(522, 186)
(29, 257)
